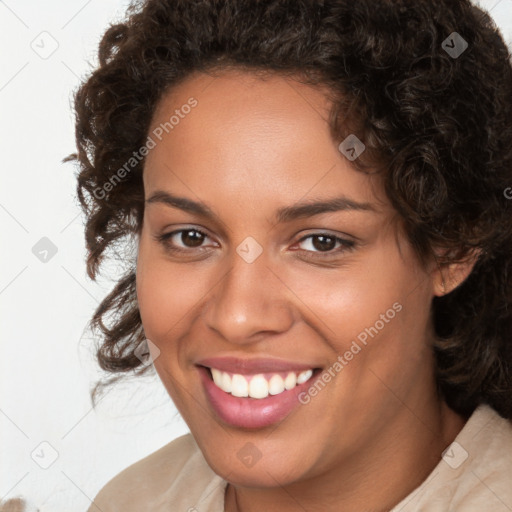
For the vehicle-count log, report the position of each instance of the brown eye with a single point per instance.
(324, 243)
(192, 238)
(183, 240)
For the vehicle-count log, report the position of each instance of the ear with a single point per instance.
(447, 277)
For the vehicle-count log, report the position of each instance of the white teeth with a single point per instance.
(304, 376)
(291, 381)
(226, 382)
(217, 377)
(276, 385)
(258, 386)
(239, 386)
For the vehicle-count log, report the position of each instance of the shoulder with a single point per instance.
(175, 474)
(475, 472)
(488, 473)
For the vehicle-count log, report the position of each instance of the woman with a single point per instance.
(320, 197)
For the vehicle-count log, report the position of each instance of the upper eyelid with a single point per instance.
(327, 233)
(345, 243)
(175, 232)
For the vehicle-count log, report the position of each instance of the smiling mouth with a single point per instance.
(254, 393)
(259, 385)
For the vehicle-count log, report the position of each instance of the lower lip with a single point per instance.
(251, 412)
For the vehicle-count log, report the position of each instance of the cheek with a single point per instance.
(377, 311)
(166, 293)
(346, 301)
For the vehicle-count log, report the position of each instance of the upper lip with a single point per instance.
(253, 365)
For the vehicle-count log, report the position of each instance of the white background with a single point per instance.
(46, 364)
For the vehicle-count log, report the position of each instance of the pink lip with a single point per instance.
(253, 366)
(251, 413)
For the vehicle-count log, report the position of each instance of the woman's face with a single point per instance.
(252, 279)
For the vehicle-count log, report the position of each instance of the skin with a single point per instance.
(248, 148)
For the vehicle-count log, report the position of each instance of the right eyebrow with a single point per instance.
(182, 203)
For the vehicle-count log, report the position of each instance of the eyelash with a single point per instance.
(344, 245)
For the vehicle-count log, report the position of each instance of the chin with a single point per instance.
(249, 467)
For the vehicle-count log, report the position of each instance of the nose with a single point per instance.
(249, 302)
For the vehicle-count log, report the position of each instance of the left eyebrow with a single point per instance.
(309, 209)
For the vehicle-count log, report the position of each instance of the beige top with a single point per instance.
(474, 475)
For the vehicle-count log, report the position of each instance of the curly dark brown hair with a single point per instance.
(436, 122)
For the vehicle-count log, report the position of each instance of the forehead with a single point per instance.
(248, 92)
(242, 109)
(271, 131)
